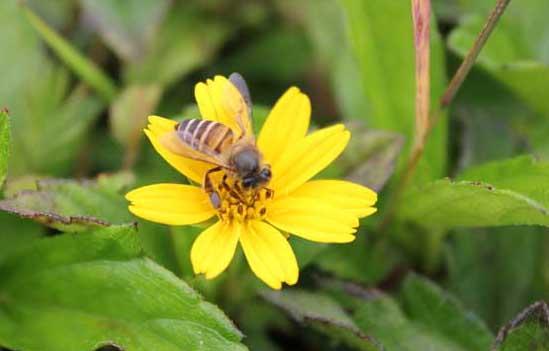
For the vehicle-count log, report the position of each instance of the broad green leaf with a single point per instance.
(70, 205)
(382, 38)
(186, 40)
(516, 54)
(384, 318)
(50, 128)
(528, 331)
(502, 193)
(16, 232)
(126, 26)
(159, 243)
(83, 67)
(522, 174)
(482, 261)
(5, 140)
(449, 319)
(323, 313)
(424, 318)
(79, 292)
(446, 204)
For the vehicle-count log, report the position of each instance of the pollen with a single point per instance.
(239, 204)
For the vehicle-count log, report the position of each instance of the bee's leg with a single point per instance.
(235, 192)
(242, 195)
(269, 193)
(208, 187)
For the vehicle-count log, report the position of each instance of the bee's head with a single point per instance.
(247, 164)
(261, 177)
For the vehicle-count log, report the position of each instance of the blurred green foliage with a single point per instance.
(79, 78)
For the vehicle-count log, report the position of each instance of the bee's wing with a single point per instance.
(239, 102)
(174, 143)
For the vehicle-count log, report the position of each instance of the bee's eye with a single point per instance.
(248, 182)
(265, 173)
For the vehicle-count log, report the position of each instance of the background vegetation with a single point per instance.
(461, 253)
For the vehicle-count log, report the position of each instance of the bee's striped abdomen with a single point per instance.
(203, 135)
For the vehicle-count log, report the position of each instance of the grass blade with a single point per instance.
(83, 67)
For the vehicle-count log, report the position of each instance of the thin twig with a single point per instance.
(473, 53)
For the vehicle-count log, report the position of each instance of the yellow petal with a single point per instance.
(219, 100)
(192, 169)
(269, 254)
(286, 124)
(307, 157)
(214, 249)
(312, 219)
(353, 198)
(173, 204)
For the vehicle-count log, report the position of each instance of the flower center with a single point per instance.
(239, 203)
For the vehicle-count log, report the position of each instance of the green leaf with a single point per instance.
(446, 204)
(528, 331)
(186, 40)
(500, 193)
(69, 205)
(5, 139)
(49, 128)
(479, 265)
(16, 233)
(449, 319)
(83, 67)
(323, 313)
(79, 292)
(159, 243)
(126, 26)
(424, 318)
(382, 38)
(522, 174)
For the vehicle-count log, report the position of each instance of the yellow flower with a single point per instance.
(326, 211)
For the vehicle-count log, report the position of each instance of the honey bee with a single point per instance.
(234, 152)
